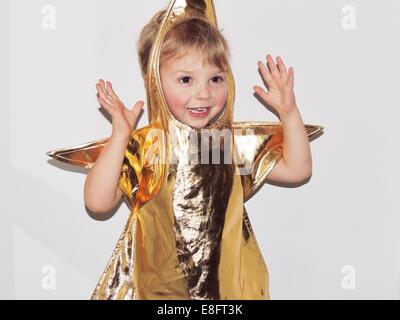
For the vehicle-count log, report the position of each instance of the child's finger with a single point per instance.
(134, 113)
(291, 77)
(111, 91)
(282, 68)
(106, 96)
(137, 108)
(272, 66)
(103, 103)
(110, 109)
(261, 92)
(102, 88)
(102, 94)
(266, 74)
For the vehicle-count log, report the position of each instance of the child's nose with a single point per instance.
(203, 91)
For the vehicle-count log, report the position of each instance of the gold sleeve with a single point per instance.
(85, 155)
(259, 146)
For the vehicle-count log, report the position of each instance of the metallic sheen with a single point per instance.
(188, 235)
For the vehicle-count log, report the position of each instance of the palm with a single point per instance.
(280, 96)
(123, 119)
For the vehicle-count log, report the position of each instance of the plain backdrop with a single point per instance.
(334, 237)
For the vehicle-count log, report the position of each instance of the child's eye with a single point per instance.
(218, 77)
(184, 78)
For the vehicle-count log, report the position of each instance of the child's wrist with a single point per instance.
(120, 137)
(289, 112)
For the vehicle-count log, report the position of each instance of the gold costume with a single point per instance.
(188, 235)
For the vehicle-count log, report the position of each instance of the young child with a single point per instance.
(188, 235)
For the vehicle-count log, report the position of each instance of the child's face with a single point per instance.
(188, 84)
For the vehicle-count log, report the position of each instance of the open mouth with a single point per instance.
(200, 110)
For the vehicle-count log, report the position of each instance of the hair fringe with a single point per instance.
(191, 34)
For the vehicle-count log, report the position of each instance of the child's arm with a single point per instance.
(296, 163)
(101, 192)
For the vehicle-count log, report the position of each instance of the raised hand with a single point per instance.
(123, 119)
(280, 83)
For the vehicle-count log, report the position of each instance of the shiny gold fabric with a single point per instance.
(188, 235)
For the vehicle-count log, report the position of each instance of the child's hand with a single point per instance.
(123, 119)
(280, 93)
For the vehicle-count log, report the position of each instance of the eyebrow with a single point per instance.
(188, 71)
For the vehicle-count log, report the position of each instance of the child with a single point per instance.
(188, 235)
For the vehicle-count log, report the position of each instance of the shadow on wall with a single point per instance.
(82, 170)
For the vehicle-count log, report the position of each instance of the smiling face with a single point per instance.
(195, 91)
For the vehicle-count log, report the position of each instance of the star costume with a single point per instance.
(188, 235)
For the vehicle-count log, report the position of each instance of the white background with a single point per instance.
(335, 237)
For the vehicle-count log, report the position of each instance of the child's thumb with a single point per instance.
(136, 110)
(138, 107)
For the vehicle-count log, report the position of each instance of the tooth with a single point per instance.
(198, 110)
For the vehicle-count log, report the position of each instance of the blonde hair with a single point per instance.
(191, 34)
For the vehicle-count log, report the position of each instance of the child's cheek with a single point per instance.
(177, 102)
(222, 99)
